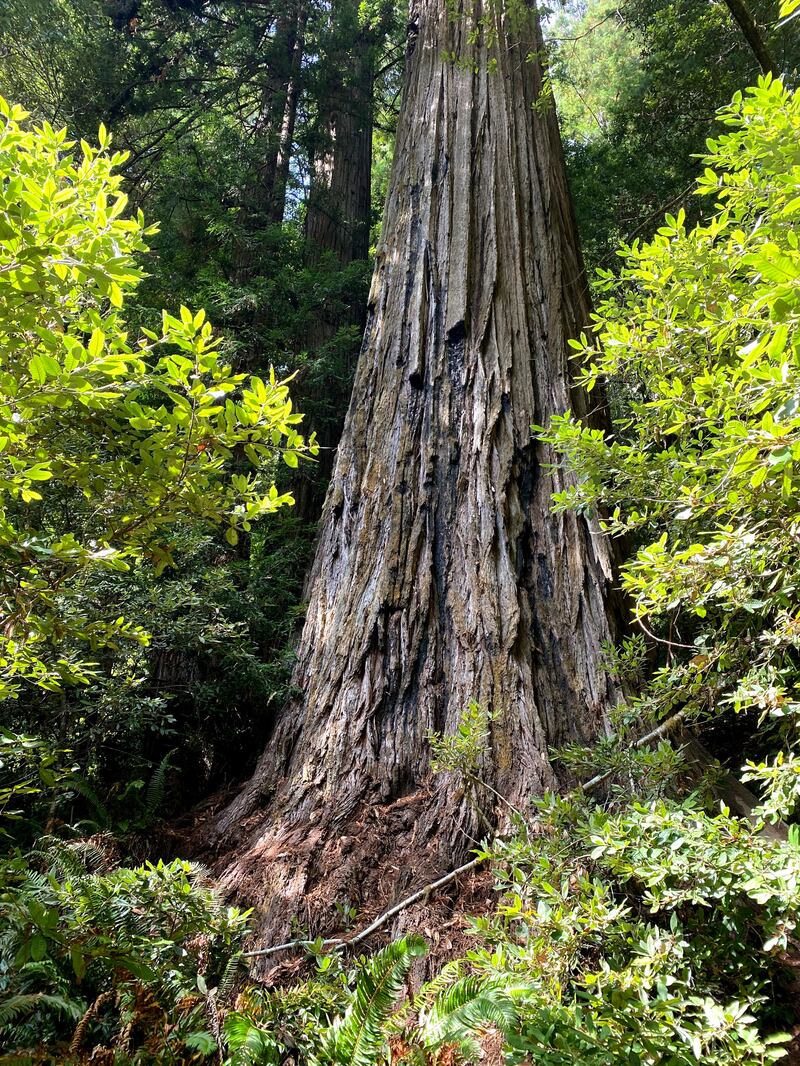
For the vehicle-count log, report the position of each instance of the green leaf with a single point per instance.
(38, 947)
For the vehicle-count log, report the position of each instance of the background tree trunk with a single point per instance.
(441, 575)
(338, 213)
(749, 27)
(263, 200)
(286, 141)
(337, 230)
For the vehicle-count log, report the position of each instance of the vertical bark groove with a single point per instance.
(441, 574)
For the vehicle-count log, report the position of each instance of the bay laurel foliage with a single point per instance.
(129, 435)
(698, 333)
(113, 444)
(701, 332)
(637, 86)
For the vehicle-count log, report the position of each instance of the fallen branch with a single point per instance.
(379, 921)
(382, 919)
(660, 731)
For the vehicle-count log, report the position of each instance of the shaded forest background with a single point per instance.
(260, 139)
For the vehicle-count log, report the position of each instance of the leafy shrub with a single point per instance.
(702, 329)
(108, 442)
(662, 925)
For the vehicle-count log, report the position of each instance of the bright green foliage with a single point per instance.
(359, 1035)
(129, 436)
(453, 1010)
(596, 66)
(702, 329)
(191, 90)
(681, 855)
(635, 928)
(353, 1018)
(340, 1020)
(637, 86)
(463, 750)
(659, 926)
(605, 984)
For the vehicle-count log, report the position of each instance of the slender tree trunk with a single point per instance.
(263, 198)
(337, 225)
(338, 213)
(286, 141)
(441, 575)
(747, 24)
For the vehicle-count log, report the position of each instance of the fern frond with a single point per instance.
(14, 1007)
(236, 965)
(444, 979)
(457, 1013)
(247, 1043)
(154, 795)
(83, 788)
(357, 1038)
(94, 858)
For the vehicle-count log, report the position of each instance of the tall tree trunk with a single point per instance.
(263, 197)
(338, 213)
(337, 225)
(441, 575)
(286, 140)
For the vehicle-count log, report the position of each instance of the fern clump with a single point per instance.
(153, 938)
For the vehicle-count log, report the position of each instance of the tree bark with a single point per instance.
(263, 197)
(286, 141)
(338, 213)
(441, 575)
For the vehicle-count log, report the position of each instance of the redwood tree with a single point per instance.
(441, 575)
(337, 225)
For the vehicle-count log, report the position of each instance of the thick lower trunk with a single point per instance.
(441, 575)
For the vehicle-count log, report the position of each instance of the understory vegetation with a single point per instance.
(153, 572)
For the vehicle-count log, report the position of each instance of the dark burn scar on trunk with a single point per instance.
(455, 347)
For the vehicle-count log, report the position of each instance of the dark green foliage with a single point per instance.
(76, 927)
